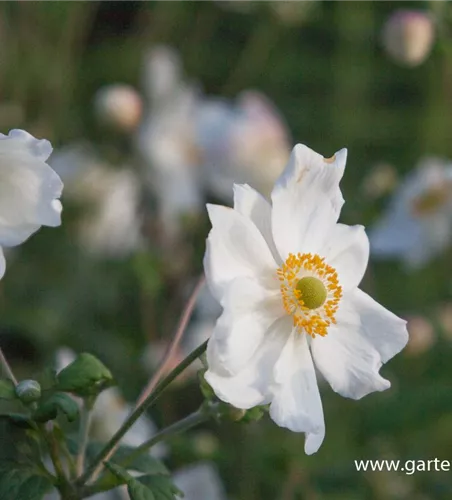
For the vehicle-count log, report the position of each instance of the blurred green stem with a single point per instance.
(109, 448)
(6, 368)
(85, 422)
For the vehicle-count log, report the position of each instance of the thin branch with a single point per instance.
(7, 369)
(168, 358)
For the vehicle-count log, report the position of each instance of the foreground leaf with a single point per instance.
(57, 403)
(21, 482)
(162, 487)
(86, 376)
(136, 489)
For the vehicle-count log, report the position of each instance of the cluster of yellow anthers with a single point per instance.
(316, 316)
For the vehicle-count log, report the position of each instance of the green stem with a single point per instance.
(85, 423)
(6, 368)
(136, 414)
(186, 423)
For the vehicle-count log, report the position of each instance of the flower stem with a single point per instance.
(109, 448)
(186, 423)
(85, 423)
(6, 368)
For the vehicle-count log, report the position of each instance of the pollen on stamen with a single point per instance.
(310, 292)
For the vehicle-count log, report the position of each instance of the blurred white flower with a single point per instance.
(119, 106)
(417, 225)
(165, 139)
(244, 143)
(29, 189)
(111, 224)
(287, 276)
(408, 36)
(200, 481)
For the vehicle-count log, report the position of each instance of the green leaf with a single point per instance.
(22, 482)
(86, 376)
(161, 486)
(58, 402)
(7, 389)
(137, 490)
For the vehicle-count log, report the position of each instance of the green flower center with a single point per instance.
(312, 292)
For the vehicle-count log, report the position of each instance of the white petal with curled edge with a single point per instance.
(235, 247)
(252, 385)
(41, 149)
(307, 201)
(296, 403)
(347, 250)
(249, 311)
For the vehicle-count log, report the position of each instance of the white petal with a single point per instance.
(296, 403)
(251, 386)
(2, 263)
(366, 336)
(249, 311)
(234, 248)
(306, 201)
(41, 149)
(253, 205)
(28, 195)
(347, 250)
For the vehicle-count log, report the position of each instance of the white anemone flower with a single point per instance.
(418, 223)
(287, 275)
(29, 189)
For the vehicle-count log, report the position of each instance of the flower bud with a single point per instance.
(408, 36)
(422, 335)
(119, 106)
(28, 391)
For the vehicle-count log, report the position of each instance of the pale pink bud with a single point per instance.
(422, 335)
(408, 36)
(119, 106)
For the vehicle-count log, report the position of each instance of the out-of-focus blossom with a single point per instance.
(381, 180)
(119, 106)
(166, 139)
(244, 143)
(287, 277)
(29, 189)
(111, 224)
(421, 335)
(408, 36)
(418, 223)
(200, 481)
(292, 13)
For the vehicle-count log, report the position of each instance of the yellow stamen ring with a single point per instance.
(310, 292)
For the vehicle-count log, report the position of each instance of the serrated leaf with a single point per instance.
(21, 482)
(58, 402)
(161, 486)
(86, 376)
(7, 389)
